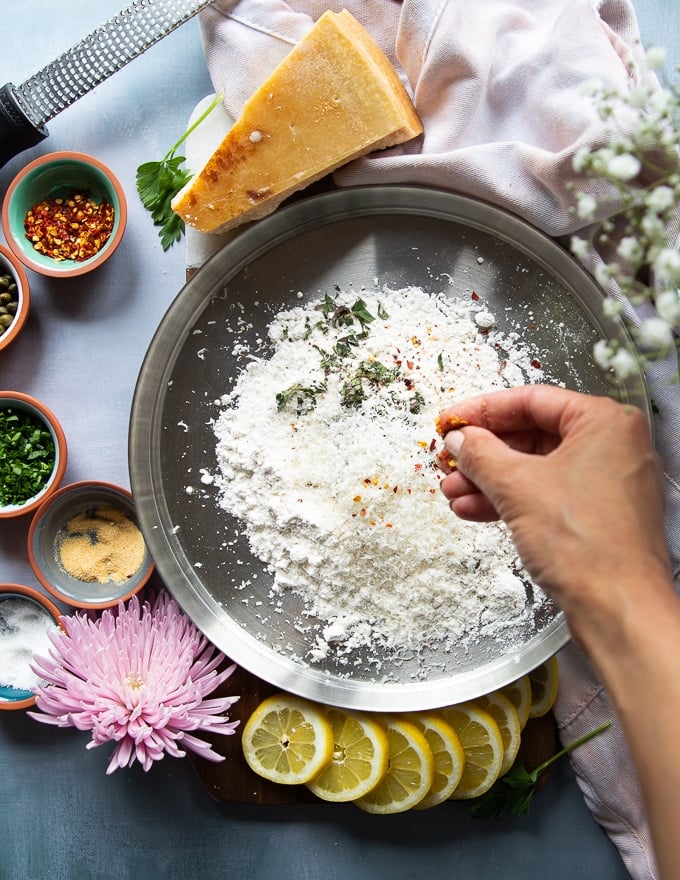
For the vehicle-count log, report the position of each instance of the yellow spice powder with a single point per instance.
(101, 544)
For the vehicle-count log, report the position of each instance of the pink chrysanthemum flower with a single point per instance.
(136, 676)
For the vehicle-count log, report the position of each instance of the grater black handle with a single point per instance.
(17, 131)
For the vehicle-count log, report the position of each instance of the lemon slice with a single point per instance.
(410, 770)
(287, 739)
(519, 694)
(482, 744)
(448, 754)
(359, 761)
(505, 715)
(544, 683)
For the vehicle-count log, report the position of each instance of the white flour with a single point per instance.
(337, 487)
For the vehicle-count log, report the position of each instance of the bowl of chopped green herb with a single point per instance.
(33, 453)
(14, 297)
(64, 214)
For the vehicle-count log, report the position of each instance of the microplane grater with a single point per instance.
(25, 109)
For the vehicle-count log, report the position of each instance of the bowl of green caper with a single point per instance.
(14, 297)
(33, 453)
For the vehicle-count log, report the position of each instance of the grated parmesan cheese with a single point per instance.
(342, 502)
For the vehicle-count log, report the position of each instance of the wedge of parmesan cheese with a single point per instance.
(335, 97)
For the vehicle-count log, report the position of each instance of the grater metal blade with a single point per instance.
(25, 109)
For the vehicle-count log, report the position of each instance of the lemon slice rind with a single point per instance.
(544, 685)
(505, 715)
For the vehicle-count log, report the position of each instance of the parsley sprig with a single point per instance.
(159, 182)
(512, 793)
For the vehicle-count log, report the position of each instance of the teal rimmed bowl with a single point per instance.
(57, 175)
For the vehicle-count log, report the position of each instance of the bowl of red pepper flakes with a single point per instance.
(64, 214)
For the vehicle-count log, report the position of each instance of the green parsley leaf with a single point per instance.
(159, 182)
(512, 793)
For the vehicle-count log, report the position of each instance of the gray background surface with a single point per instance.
(61, 818)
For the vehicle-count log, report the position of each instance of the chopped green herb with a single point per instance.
(416, 403)
(377, 373)
(513, 792)
(27, 456)
(440, 361)
(352, 393)
(382, 314)
(343, 347)
(374, 372)
(159, 182)
(361, 313)
(327, 306)
(304, 397)
(329, 362)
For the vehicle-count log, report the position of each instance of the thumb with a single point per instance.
(485, 459)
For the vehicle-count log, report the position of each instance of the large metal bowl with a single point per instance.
(401, 236)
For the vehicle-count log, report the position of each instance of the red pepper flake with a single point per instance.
(418, 466)
(362, 512)
(72, 227)
(433, 444)
(536, 364)
(474, 295)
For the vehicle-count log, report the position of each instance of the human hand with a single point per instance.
(576, 480)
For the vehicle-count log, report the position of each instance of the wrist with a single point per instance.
(623, 629)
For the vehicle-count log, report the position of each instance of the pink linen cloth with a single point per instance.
(499, 86)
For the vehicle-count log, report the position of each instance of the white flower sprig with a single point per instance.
(638, 170)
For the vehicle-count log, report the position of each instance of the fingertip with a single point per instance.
(473, 508)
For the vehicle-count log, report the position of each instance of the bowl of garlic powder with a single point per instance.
(86, 548)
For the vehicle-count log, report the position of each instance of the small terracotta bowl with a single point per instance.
(15, 297)
(57, 175)
(24, 405)
(12, 697)
(86, 548)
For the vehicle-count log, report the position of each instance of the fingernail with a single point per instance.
(454, 441)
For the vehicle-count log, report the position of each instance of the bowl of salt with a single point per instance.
(27, 617)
